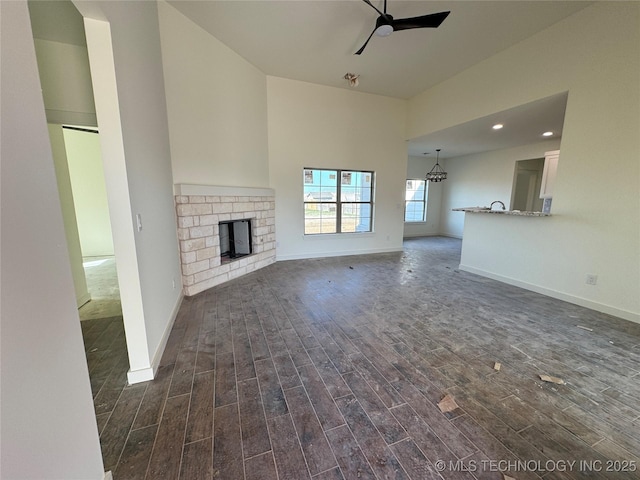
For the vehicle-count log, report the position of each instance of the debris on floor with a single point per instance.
(585, 328)
(518, 350)
(548, 378)
(350, 267)
(447, 404)
(497, 366)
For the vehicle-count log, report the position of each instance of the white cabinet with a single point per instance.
(549, 173)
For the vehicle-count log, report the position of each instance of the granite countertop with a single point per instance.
(501, 212)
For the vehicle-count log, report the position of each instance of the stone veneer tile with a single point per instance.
(207, 253)
(197, 232)
(185, 222)
(192, 245)
(193, 209)
(191, 268)
(209, 220)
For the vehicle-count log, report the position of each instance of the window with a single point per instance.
(337, 201)
(415, 204)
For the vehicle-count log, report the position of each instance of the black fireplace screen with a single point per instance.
(235, 238)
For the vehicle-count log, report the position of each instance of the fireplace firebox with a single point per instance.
(235, 239)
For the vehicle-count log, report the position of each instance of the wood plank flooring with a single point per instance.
(333, 368)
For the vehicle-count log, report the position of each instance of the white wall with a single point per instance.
(217, 107)
(595, 55)
(417, 167)
(68, 213)
(126, 67)
(89, 192)
(479, 179)
(66, 83)
(48, 426)
(323, 127)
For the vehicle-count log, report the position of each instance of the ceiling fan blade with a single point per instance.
(432, 20)
(374, 7)
(365, 43)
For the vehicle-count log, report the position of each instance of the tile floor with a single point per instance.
(333, 368)
(102, 283)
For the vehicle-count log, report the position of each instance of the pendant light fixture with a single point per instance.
(436, 174)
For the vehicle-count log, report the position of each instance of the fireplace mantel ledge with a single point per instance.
(219, 190)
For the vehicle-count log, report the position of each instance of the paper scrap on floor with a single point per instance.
(447, 404)
(548, 378)
(585, 328)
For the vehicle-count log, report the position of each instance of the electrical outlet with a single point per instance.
(173, 283)
(591, 279)
(139, 222)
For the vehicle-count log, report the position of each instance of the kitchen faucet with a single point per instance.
(497, 201)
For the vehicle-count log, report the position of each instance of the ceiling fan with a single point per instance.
(386, 24)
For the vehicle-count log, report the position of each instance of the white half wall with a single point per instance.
(417, 168)
(217, 107)
(48, 424)
(595, 227)
(477, 180)
(89, 192)
(322, 127)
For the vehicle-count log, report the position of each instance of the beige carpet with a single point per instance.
(102, 282)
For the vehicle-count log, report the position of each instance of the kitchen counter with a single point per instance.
(518, 213)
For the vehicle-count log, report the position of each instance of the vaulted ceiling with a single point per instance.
(315, 41)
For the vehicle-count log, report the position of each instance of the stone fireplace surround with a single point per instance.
(199, 209)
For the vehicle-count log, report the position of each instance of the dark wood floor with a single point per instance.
(333, 368)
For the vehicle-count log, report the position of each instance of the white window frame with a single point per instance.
(338, 202)
(423, 200)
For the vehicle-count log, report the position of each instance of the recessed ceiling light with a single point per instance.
(547, 134)
(497, 126)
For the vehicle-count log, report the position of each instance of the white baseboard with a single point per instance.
(108, 475)
(149, 373)
(139, 376)
(420, 235)
(302, 256)
(583, 302)
(425, 235)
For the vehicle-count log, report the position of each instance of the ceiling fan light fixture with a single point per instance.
(386, 24)
(384, 30)
(437, 173)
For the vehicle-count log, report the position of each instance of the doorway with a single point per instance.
(86, 175)
(526, 185)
